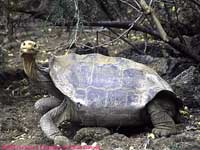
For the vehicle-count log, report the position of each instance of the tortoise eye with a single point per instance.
(34, 45)
(24, 44)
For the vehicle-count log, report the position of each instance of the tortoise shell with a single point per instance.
(99, 81)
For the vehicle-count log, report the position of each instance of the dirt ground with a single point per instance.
(19, 123)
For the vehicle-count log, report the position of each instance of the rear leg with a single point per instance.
(162, 113)
(43, 105)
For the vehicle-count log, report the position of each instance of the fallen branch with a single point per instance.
(122, 25)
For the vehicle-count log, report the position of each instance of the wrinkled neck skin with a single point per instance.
(31, 70)
(30, 67)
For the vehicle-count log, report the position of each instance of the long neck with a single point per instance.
(30, 66)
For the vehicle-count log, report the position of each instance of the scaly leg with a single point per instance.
(161, 118)
(43, 105)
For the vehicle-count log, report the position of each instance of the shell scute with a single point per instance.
(132, 98)
(80, 75)
(95, 97)
(132, 78)
(117, 98)
(106, 76)
(99, 81)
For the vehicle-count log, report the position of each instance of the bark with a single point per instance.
(149, 11)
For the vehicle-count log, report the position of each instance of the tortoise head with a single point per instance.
(28, 48)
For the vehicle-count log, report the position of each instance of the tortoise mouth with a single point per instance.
(25, 52)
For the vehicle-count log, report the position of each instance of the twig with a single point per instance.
(148, 10)
(107, 43)
(77, 23)
(123, 1)
(122, 38)
(122, 25)
(121, 35)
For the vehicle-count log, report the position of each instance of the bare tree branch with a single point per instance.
(149, 11)
(125, 40)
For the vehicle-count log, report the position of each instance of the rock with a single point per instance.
(119, 148)
(115, 141)
(168, 66)
(187, 76)
(153, 49)
(159, 64)
(187, 86)
(177, 65)
(184, 141)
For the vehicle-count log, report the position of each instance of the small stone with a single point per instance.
(119, 148)
(49, 29)
(83, 144)
(151, 136)
(10, 55)
(94, 144)
(185, 108)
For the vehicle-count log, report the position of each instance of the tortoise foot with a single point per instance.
(62, 141)
(91, 134)
(164, 132)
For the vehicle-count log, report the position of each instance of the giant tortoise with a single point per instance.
(97, 90)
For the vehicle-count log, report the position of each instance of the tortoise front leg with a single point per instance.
(163, 123)
(43, 105)
(48, 125)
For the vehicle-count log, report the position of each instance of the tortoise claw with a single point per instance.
(61, 140)
(163, 132)
(91, 134)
